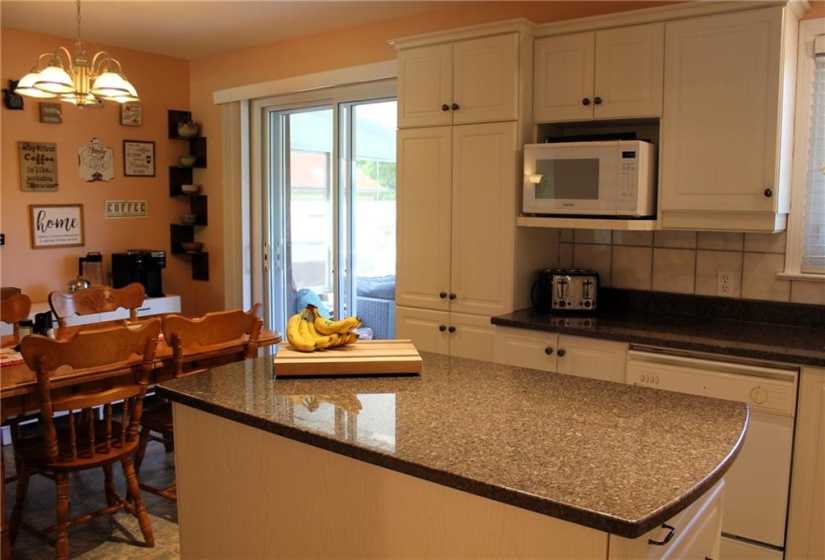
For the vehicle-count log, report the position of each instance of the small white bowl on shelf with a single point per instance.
(190, 189)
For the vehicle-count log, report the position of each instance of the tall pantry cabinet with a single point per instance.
(463, 115)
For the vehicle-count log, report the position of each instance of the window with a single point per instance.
(805, 255)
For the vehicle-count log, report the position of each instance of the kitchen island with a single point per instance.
(468, 459)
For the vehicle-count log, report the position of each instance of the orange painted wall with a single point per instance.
(37, 272)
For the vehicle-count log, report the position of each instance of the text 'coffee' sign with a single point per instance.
(57, 225)
(38, 166)
(126, 209)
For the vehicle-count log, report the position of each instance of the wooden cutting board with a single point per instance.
(365, 357)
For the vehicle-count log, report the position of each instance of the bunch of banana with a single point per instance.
(307, 331)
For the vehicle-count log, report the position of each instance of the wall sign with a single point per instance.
(126, 209)
(58, 225)
(51, 113)
(138, 158)
(95, 160)
(131, 114)
(38, 166)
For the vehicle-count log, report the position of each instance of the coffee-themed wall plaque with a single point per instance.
(38, 166)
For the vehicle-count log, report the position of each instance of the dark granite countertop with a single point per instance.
(614, 457)
(776, 332)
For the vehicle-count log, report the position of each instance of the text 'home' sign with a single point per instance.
(59, 225)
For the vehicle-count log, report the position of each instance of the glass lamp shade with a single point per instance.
(53, 79)
(110, 85)
(26, 87)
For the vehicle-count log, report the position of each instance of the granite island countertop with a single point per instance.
(613, 457)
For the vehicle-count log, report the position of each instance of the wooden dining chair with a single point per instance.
(89, 427)
(97, 299)
(13, 309)
(214, 339)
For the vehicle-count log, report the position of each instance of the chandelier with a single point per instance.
(76, 80)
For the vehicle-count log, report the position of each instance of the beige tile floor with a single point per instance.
(106, 537)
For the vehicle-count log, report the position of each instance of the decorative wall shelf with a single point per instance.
(198, 203)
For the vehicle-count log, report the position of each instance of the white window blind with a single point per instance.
(813, 251)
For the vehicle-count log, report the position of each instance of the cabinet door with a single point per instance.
(806, 538)
(425, 83)
(593, 358)
(483, 218)
(629, 72)
(485, 79)
(721, 113)
(423, 226)
(427, 329)
(472, 336)
(564, 74)
(525, 348)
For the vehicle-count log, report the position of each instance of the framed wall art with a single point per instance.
(138, 158)
(56, 225)
(51, 113)
(38, 166)
(131, 114)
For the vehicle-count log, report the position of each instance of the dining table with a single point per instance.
(18, 383)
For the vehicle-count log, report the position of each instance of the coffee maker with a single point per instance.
(139, 265)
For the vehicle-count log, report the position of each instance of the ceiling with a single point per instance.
(191, 29)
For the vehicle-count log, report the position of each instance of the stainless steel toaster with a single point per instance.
(565, 289)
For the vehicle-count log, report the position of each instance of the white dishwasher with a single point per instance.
(756, 500)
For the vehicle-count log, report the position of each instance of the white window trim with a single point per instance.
(808, 30)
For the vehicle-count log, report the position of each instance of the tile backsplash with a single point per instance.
(688, 262)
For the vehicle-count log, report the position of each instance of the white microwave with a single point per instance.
(614, 178)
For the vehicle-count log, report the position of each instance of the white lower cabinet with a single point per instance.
(694, 533)
(561, 353)
(352, 503)
(806, 518)
(442, 332)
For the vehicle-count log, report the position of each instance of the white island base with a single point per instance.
(259, 495)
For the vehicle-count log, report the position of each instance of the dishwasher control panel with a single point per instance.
(763, 388)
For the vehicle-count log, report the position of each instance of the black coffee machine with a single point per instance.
(139, 265)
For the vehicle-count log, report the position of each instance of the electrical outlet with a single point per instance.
(724, 283)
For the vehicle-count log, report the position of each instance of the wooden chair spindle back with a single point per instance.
(97, 299)
(113, 349)
(13, 309)
(213, 331)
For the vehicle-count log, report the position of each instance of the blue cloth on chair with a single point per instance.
(305, 296)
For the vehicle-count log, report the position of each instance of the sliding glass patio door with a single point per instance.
(331, 215)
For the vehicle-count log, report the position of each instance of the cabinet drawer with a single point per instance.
(523, 348)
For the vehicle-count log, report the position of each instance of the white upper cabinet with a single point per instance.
(608, 74)
(727, 129)
(471, 81)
